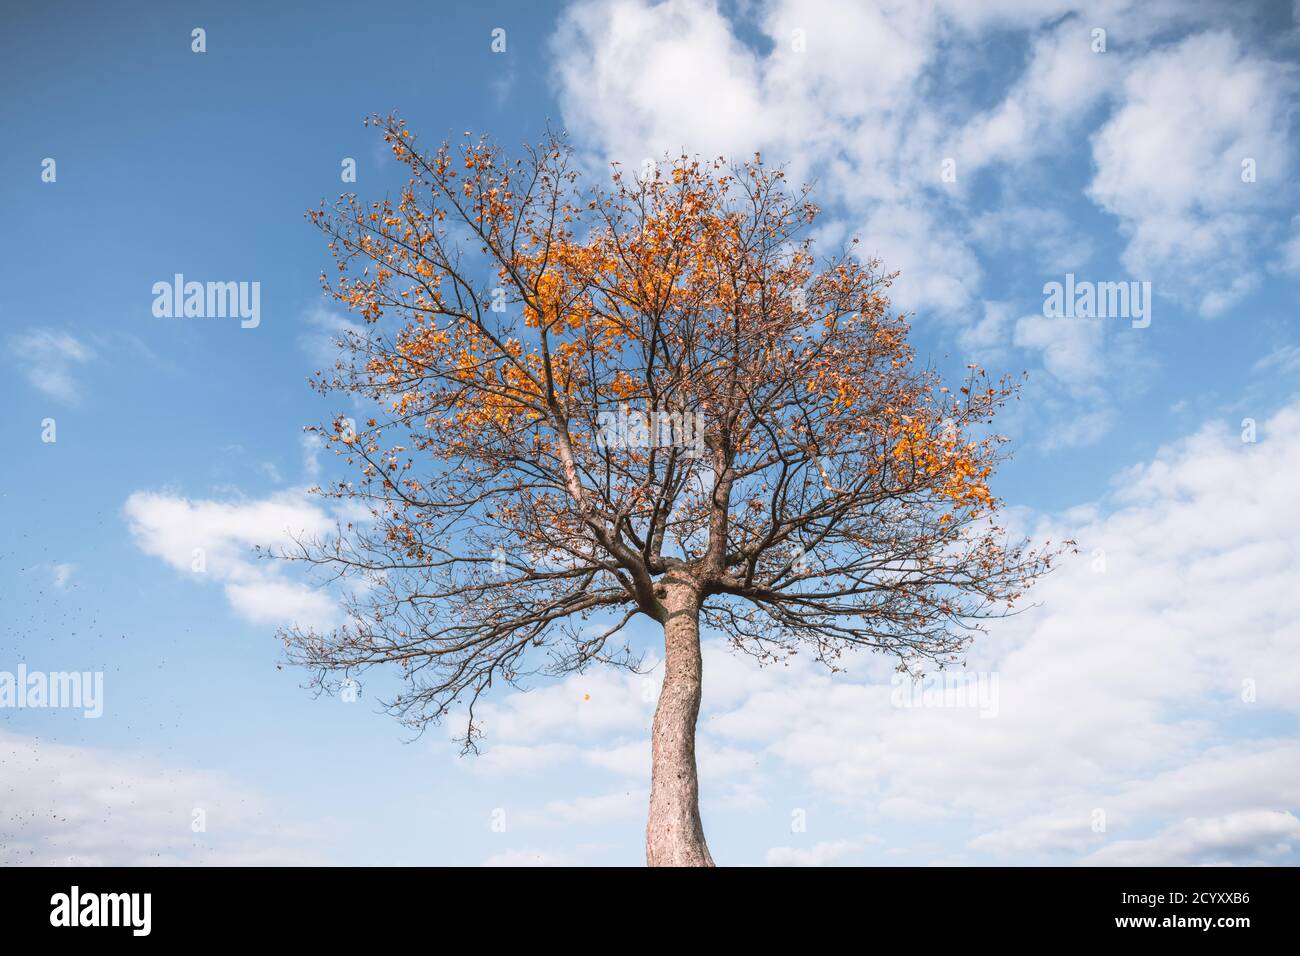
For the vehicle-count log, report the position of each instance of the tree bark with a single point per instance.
(674, 835)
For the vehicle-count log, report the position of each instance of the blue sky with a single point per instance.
(1122, 692)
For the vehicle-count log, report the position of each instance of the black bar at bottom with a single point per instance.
(368, 906)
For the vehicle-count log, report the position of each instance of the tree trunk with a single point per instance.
(674, 835)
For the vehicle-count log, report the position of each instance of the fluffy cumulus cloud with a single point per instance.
(1197, 146)
(837, 96)
(213, 540)
(875, 101)
(1145, 709)
(83, 806)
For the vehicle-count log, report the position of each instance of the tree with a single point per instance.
(642, 399)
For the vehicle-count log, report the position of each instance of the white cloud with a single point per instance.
(1089, 367)
(85, 806)
(1071, 348)
(506, 759)
(599, 701)
(868, 98)
(1118, 679)
(627, 68)
(50, 361)
(213, 540)
(1062, 81)
(828, 853)
(638, 79)
(1169, 165)
(938, 268)
(619, 805)
(1243, 778)
(1080, 427)
(630, 759)
(62, 572)
(279, 602)
(1259, 836)
(1283, 360)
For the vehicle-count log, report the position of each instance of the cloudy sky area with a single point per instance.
(1147, 706)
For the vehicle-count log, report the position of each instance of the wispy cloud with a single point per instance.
(85, 806)
(62, 572)
(1283, 360)
(50, 361)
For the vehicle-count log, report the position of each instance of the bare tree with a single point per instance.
(643, 399)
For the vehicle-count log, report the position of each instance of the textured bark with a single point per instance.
(674, 835)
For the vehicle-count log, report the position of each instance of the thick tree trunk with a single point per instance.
(674, 835)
